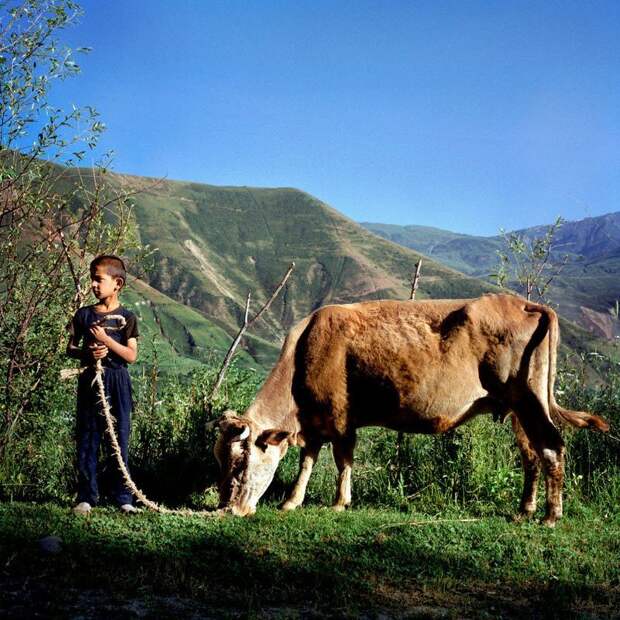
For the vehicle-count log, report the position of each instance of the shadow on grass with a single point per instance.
(331, 567)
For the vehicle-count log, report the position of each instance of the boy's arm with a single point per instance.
(74, 351)
(73, 346)
(128, 352)
(97, 351)
(94, 352)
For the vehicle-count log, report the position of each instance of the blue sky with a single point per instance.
(465, 115)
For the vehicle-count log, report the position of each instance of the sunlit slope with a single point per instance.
(177, 338)
(217, 243)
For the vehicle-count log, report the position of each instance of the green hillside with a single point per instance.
(217, 243)
(469, 254)
(177, 337)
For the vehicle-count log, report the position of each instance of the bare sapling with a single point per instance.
(247, 324)
(530, 263)
(416, 280)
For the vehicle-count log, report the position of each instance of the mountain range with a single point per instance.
(216, 244)
(586, 289)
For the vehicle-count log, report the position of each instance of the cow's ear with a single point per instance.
(271, 437)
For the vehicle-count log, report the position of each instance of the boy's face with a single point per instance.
(103, 284)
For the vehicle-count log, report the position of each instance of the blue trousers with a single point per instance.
(91, 429)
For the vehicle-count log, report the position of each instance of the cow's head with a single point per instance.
(248, 457)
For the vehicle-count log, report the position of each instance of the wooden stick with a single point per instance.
(416, 280)
(273, 295)
(231, 351)
(400, 438)
(247, 323)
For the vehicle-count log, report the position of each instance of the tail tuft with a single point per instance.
(582, 419)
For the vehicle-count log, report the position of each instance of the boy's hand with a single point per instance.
(99, 333)
(99, 351)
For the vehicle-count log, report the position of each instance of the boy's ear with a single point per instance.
(120, 283)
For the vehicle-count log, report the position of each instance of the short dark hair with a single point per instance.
(113, 265)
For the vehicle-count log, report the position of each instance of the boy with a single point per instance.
(115, 349)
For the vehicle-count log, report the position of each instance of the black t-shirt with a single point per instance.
(85, 317)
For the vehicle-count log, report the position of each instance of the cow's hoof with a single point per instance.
(522, 516)
(288, 506)
(339, 508)
(549, 521)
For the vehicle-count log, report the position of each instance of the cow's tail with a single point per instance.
(580, 419)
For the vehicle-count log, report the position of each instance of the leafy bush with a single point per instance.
(171, 452)
(593, 459)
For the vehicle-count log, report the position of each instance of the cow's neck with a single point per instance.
(274, 410)
(274, 406)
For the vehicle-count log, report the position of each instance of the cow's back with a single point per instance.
(408, 365)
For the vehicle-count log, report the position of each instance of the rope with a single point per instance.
(116, 449)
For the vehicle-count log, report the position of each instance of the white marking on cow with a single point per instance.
(551, 456)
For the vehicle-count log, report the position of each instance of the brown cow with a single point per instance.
(420, 367)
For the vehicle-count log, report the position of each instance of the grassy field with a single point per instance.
(311, 563)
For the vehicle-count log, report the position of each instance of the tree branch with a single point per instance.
(246, 325)
(416, 280)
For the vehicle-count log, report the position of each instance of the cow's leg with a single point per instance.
(547, 442)
(343, 455)
(308, 457)
(531, 471)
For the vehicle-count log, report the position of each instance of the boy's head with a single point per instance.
(108, 275)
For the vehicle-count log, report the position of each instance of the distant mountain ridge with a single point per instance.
(586, 289)
(466, 253)
(591, 238)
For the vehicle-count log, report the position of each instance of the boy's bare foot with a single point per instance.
(83, 508)
(129, 509)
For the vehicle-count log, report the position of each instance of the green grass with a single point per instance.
(314, 560)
